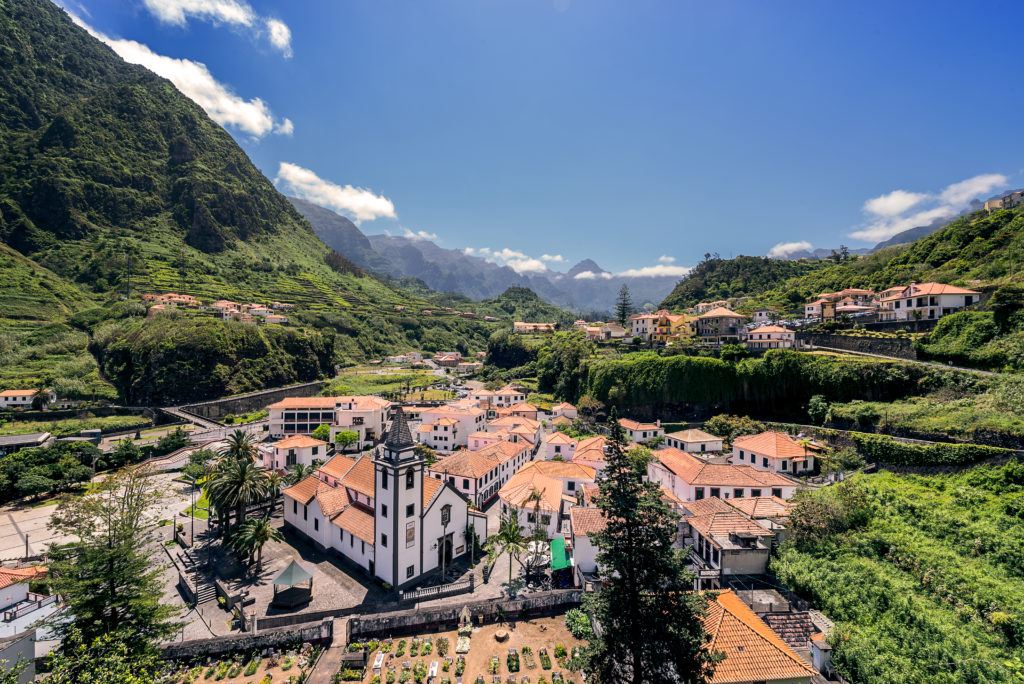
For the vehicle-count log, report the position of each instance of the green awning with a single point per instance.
(558, 559)
(292, 575)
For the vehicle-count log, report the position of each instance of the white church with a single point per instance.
(383, 513)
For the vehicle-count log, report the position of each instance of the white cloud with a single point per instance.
(888, 213)
(666, 259)
(896, 202)
(591, 275)
(658, 270)
(554, 258)
(195, 81)
(518, 261)
(233, 12)
(419, 234)
(966, 190)
(784, 249)
(218, 11)
(360, 204)
(280, 36)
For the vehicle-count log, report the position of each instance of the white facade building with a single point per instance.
(926, 301)
(769, 337)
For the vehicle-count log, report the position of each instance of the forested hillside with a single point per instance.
(116, 184)
(743, 276)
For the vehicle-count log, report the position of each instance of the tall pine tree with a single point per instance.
(623, 305)
(650, 618)
(107, 577)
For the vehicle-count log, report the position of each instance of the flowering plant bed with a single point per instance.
(462, 645)
(495, 665)
(545, 659)
(460, 666)
(528, 657)
(512, 660)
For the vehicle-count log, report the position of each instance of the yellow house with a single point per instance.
(670, 327)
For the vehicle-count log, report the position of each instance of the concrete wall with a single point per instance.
(903, 349)
(20, 647)
(254, 401)
(322, 633)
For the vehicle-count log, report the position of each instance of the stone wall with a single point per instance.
(427, 619)
(899, 348)
(321, 633)
(254, 401)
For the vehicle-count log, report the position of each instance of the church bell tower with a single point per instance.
(398, 488)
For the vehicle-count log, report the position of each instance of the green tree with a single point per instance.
(172, 441)
(508, 539)
(733, 352)
(34, 483)
(730, 427)
(236, 483)
(297, 473)
(623, 305)
(274, 482)
(346, 438)
(240, 445)
(126, 451)
(322, 432)
(1005, 303)
(120, 657)
(650, 617)
(559, 361)
(508, 350)
(10, 673)
(817, 409)
(252, 536)
(107, 576)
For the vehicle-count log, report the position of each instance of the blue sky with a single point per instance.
(640, 134)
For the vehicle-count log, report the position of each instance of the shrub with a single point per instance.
(885, 449)
(579, 624)
(442, 646)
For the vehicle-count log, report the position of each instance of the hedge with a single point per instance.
(885, 449)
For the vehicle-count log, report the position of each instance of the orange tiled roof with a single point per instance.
(708, 506)
(499, 452)
(361, 477)
(465, 463)
(356, 522)
(634, 425)
(560, 469)
(771, 444)
(9, 576)
(338, 466)
(561, 420)
(304, 490)
(586, 520)
(762, 506)
(693, 436)
(770, 329)
(561, 438)
(305, 402)
(16, 393)
(513, 421)
(430, 486)
(563, 406)
(523, 406)
(696, 472)
(720, 524)
(720, 312)
(518, 491)
(331, 499)
(753, 652)
(297, 442)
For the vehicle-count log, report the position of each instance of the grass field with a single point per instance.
(72, 426)
(367, 380)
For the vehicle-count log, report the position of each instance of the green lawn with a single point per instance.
(200, 510)
(72, 426)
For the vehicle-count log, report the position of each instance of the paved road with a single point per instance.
(920, 363)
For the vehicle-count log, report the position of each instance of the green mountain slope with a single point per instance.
(742, 276)
(115, 184)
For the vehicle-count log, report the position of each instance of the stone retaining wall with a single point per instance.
(254, 401)
(321, 633)
(900, 348)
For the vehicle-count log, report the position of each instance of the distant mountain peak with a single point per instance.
(584, 266)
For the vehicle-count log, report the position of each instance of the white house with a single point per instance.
(22, 398)
(461, 421)
(363, 414)
(769, 337)
(564, 409)
(542, 491)
(813, 309)
(559, 444)
(642, 324)
(764, 317)
(641, 432)
(442, 435)
(693, 441)
(774, 451)
(585, 521)
(725, 540)
(521, 429)
(384, 514)
(507, 396)
(691, 479)
(479, 475)
(292, 450)
(926, 300)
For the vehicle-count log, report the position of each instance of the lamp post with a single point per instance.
(446, 514)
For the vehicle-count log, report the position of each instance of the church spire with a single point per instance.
(399, 437)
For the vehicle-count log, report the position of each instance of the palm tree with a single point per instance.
(236, 483)
(274, 482)
(508, 539)
(240, 445)
(251, 537)
(297, 472)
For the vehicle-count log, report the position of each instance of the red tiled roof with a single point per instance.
(586, 520)
(753, 652)
(696, 472)
(356, 522)
(720, 312)
(771, 444)
(297, 442)
(465, 463)
(304, 490)
(361, 477)
(762, 506)
(635, 425)
(338, 466)
(430, 486)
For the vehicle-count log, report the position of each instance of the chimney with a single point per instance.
(658, 422)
